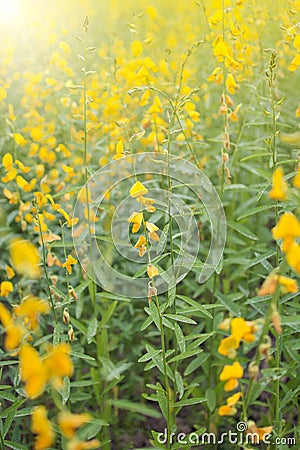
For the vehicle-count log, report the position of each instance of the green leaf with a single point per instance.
(110, 296)
(151, 353)
(17, 413)
(117, 371)
(136, 407)
(211, 399)
(187, 354)
(83, 383)
(107, 315)
(190, 401)
(7, 396)
(196, 305)
(228, 303)
(163, 402)
(146, 323)
(65, 391)
(153, 312)
(255, 155)
(179, 383)
(89, 430)
(179, 337)
(8, 362)
(180, 318)
(82, 356)
(242, 230)
(196, 363)
(158, 362)
(82, 328)
(15, 446)
(257, 210)
(259, 259)
(92, 329)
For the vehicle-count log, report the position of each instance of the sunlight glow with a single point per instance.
(9, 10)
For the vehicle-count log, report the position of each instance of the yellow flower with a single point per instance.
(152, 271)
(13, 197)
(25, 258)
(231, 374)
(225, 324)
(296, 179)
(257, 433)
(69, 263)
(226, 410)
(5, 288)
(138, 189)
(68, 422)
(21, 166)
(58, 364)
(152, 231)
(74, 444)
(70, 221)
(30, 308)
(7, 162)
(230, 83)
(33, 371)
(19, 139)
(24, 185)
(148, 203)
(64, 46)
(279, 186)
(216, 75)
(276, 321)
(11, 175)
(136, 218)
(293, 256)
(41, 426)
(242, 330)
(155, 108)
(228, 346)
(14, 331)
(141, 245)
(287, 227)
(36, 371)
(288, 284)
(9, 272)
(269, 285)
(136, 48)
(229, 409)
(3, 94)
(119, 150)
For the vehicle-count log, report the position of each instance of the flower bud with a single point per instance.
(276, 321)
(66, 316)
(253, 370)
(71, 335)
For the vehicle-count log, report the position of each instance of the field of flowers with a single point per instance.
(149, 224)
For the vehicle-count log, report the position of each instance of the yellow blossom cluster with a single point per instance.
(22, 321)
(138, 191)
(241, 331)
(68, 424)
(287, 230)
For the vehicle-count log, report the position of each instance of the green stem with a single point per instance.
(92, 290)
(166, 379)
(265, 330)
(45, 269)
